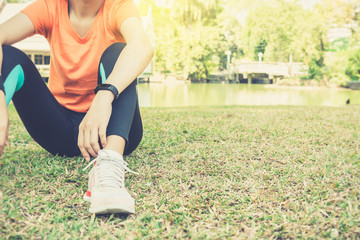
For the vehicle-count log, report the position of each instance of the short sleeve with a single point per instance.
(120, 11)
(39, 15)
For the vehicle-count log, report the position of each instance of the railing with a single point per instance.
(44, 70)
(283, 69)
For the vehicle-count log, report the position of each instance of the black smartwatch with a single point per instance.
(108, 87)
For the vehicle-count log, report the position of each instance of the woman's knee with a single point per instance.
(112, 53)
(108, 60)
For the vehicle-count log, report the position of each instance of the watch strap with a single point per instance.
(107, 87)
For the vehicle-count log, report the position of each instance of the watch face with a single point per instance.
(107, 86)
(103, 87)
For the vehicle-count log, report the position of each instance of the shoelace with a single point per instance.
(110, 171)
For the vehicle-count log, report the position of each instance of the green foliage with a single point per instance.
(353, 68)
(189, 39)
(260, 48)
(339, 44)
(194, 53)
(190, 12)
(193, 35)
(335, 66)
(315, 70)
(280, 29)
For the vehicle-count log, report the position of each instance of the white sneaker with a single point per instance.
(106, 189)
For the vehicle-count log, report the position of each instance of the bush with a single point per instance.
(339, 79)
(336, 64)
(316, 71)
(353, 67)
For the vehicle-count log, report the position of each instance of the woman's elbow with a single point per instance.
(150, 50)
(143, 47)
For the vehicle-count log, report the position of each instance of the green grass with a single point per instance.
(222, 172)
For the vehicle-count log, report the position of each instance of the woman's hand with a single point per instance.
(4, 123)
(94, 125)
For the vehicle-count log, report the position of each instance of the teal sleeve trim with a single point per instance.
(13, 82)
(102, 73)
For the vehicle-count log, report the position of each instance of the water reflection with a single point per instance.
(175, 95)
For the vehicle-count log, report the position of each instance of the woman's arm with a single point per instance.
(12, 31)
(131, 63)
(135, 57)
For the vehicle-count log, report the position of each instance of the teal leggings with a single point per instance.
(51, 125)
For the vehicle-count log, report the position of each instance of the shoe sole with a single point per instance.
(119, 207)
(110, 210)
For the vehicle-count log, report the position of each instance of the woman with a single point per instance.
(91, 106)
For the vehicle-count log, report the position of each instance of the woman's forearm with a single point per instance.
(131, 63)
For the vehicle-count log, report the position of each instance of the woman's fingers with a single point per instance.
(88, 141)
(82, 145)
(93, 127)
(94, 141)
(102, 134)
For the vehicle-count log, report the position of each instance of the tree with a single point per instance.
(188, 37)
(193, 35)
(282, 29)
(193, 12)
(342, 14)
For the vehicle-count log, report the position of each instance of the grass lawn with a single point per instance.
(207, 172)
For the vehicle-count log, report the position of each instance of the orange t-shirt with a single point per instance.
(74, 59)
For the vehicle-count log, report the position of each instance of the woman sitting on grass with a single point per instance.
(91, 106)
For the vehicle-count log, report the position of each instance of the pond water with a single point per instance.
(180, 95)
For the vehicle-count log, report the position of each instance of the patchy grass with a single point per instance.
(223, 172)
